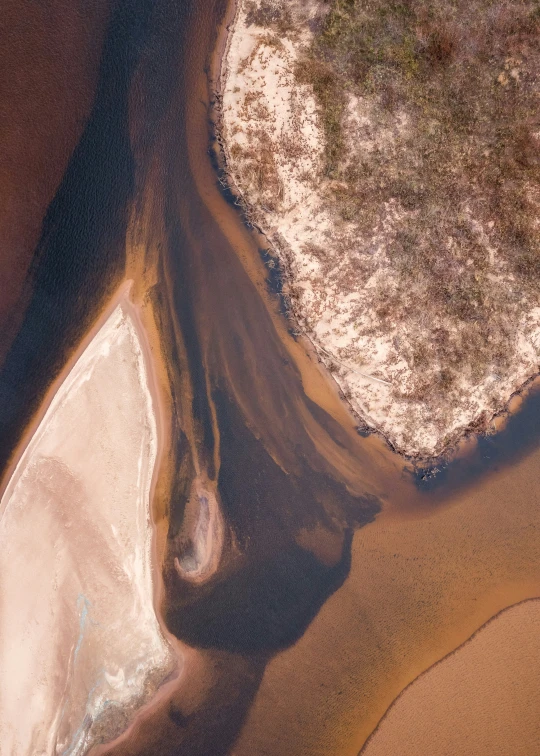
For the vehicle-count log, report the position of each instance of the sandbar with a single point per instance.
(81, 647)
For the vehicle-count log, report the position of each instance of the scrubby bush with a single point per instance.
(462, 173)
(268, 13)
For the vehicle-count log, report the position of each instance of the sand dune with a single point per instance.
(80, 644)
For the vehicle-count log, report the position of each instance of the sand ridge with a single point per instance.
(478, 700)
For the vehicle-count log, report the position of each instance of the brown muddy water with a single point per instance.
(342, 574)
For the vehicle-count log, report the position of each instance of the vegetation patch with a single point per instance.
(464, 76)
(454, 86)
(391, 148)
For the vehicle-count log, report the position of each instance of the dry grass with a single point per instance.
(269, 14)
(331, 97)
(260, 173)
(466, 75)
(464, 173)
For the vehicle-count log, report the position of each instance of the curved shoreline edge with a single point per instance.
(462, 440)
(67, 474)
(478, 632)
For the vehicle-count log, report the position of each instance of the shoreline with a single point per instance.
(459, 441)
(122, 291)
(142, 312)
(138, 314)
(122, 298)
(473, 639)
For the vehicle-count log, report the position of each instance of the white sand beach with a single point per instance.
(81, 647)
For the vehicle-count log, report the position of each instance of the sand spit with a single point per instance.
(389, 369)
(482, 699)
(80, 644)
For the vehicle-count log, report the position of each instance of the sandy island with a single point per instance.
(478, 700)
(393, 358)
(81, 647)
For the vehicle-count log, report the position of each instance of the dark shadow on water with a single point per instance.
(266, 604)
(519, 437)
(81, 255)
(271, 587)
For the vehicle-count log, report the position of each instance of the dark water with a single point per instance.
(80, 257)
(256, 432)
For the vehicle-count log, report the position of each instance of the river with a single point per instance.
(343, 574)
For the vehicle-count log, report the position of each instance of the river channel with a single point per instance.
(344, 573)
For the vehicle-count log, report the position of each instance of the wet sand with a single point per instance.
(387, 623)
(292, 712)
(417, 589)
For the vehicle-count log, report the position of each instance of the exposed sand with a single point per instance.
(273, 146)
(482, 699)
(80, 643)
(201, 539)
(50, 57)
